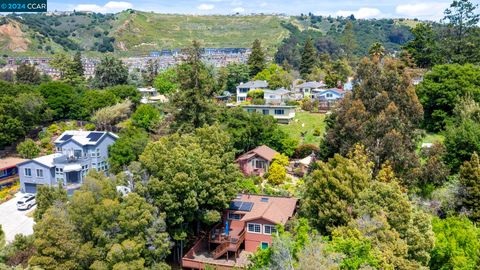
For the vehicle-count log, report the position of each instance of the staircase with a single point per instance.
(220, 250)
(232, 244)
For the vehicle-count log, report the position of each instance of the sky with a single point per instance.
(362, 9)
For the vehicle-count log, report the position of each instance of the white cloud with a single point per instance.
(263, 4)
(205, 7)
(110, 7)
(239, 10)
(362, 13)
(422, 10)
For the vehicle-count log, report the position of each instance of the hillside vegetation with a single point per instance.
(134, 32)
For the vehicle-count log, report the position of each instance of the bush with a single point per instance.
(305, 150)
(317, 132)
(28, 149)
(90, 127)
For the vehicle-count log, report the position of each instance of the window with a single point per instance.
(244, 90)
(241, 98)
(269, 229)
(259, 164)
(264, 245)
(329, 95)
(266, 112)
(279, 112)
(98, 152)
(233, 216)
(40, 173)
(59, 149)
(3, 172)
(28, 172)
(272, 96)
(92, 154)
(254, 228)
(250, 110)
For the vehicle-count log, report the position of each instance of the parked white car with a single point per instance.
(26, 202)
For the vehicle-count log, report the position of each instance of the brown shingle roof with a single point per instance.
(10, 162)
(276, 209)
(263, 151)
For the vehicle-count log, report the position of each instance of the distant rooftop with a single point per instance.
(312, 84)
(10, 162)
(254, 84)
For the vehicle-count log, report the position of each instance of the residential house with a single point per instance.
(224, 97)
(8, 171)
(305, 89)
(282, 113)
(276, 97)
(243, 88)
(328, 94)
(256, 161)
(150, 95)
(77, 152)
(247, 224)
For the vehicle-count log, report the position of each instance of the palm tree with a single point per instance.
(376, 51)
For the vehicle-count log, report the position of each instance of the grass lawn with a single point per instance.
(310, 122)
(433, 137)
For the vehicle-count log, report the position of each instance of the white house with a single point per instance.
(283, 114)
(305, 89)
(243, 88)
(150, 95)
(276, 97)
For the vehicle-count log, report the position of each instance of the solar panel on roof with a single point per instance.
(66, 137)
(94, 136)
(235, 205)
(246, 206)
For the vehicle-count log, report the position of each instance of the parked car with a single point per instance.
(26, 202)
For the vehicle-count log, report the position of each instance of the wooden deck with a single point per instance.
(199, 257)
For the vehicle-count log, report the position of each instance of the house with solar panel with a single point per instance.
(246, 226)
(76, 152)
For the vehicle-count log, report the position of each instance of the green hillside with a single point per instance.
(141, 31)
(134, 32)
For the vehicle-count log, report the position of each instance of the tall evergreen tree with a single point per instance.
(470, 187)
(77, 64)
(27, 74)
(383, 114)
(256, 60)
(110, 72)
(192, 105)
(348, 39)
(463, 33)
(309, 58)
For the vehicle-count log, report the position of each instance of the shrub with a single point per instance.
(90, 127)
(28, 149)
(306, 149)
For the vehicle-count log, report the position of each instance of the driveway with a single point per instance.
(14, 221)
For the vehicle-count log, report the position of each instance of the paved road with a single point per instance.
(14, 221)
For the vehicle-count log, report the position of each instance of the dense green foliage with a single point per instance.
(442, 88)
(28, 149)
(110, 72)
(127, 148)
(383, 114)
(457, 244)
(256, 60)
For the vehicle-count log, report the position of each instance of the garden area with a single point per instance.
(307, 127)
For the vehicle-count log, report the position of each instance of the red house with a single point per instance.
(256, 161)
(248, 224)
